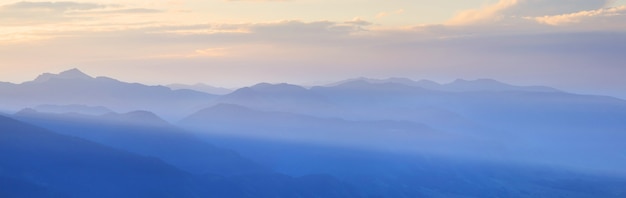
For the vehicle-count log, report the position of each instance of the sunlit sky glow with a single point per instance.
(576, 45)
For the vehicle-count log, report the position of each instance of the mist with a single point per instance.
(361, 137)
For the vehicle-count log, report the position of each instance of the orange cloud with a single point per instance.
(486, 14)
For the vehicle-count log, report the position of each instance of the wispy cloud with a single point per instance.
(198, 53)
(577, 17)
(552, 7)
(56, 6)
(121, 11)
(257, 0)
(489, 13)
(514, 11)
(28, 13)
(386, 14)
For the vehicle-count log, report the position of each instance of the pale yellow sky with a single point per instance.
(241, 42)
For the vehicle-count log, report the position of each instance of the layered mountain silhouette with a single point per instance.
(277, 97)
(201, 87)
(528, 124)
(40, 163)
(392, 174)
(458, 85)
(74, 108)
(236, 120)
(73, 87)
(146, 134)
(517, 132)
(360, 137)
(70, 167)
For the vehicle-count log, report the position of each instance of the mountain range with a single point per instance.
(74, 87)
(458, 85)
(146, 134)
(201, 87)
(73, 135)
(41, 163)
(537, 126)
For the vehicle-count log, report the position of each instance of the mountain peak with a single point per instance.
(68, 74)
(74, 73)
(26, 111)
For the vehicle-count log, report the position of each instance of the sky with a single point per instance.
(574, 45)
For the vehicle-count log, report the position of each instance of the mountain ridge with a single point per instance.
(68, 74)
(458, 85)
(201, 87)
(144, 133)
(73, 87)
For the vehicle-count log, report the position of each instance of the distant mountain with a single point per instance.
(202, 88)
(69, 74)
(458, 85)
(506, 120)
(234, 120)
(513, 142)
(527, 123)
(133, 118)
(366, 86)
(74, 108)
(392, 174)
(357, 138)
(146, 134)
(491, 85)
(277, 97)
(381, 169)
(404, 81)
(74, 87)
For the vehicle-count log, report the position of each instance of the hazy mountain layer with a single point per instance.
(40, 163)
(76, 88)
(146, 134)
(356, 138)
(535, 126)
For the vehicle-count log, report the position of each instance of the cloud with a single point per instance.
(358, 22)
(535, 8)
(489, 13)
(52, 6)
(257, 0)
(211, 52)
(198, 53)
(385, 14)
(318, 31)
(578, 17)
(514, 11)
(303, 50)
(28, 13)
(24, 13)
(191, 41)
(124, 11)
